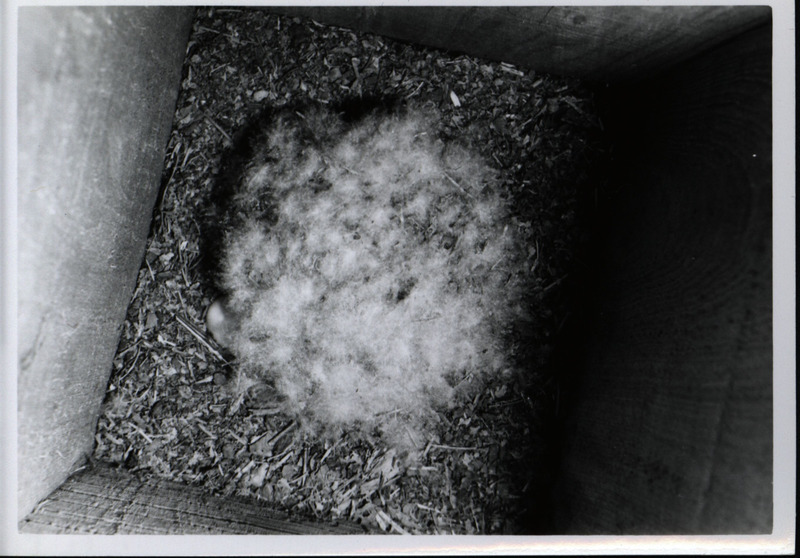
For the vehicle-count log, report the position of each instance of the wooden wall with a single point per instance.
(102, 500)
(97, 90)
(670, 429)
(589, 42)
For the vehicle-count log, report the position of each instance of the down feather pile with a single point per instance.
(373, 273)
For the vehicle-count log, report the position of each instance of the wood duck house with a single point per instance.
(663, 398)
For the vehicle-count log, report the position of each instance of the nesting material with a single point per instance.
(172, 409)
(373, 273)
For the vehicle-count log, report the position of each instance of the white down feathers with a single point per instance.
(382, 288)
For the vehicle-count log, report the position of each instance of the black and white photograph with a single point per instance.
(516, 277)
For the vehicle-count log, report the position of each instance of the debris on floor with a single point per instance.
(175, 406)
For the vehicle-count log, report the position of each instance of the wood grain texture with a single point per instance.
(671, 427)
(106, 501)
(589, 42)
(97, 91)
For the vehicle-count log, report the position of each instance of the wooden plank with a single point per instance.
(671, 426)
(97, 91)
(107, 501)
(589, 42)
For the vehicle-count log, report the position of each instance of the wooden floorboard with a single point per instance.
(107, 501)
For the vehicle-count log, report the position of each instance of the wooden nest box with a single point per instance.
(671, 427)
